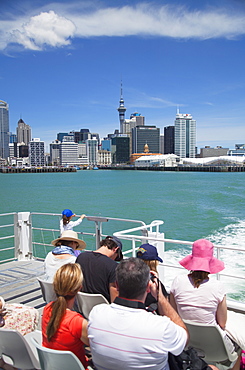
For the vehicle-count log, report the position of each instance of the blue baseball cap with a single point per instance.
(67, 213)
(148, 252)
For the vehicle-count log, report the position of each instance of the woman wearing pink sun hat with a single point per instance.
(198, 298)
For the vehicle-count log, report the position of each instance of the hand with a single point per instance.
(82, 217)
(154, 284)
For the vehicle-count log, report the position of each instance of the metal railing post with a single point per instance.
(23, 236)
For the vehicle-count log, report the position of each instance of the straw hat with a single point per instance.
(202, 258)
(70, 235)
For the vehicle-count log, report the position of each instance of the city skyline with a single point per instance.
(63, 62)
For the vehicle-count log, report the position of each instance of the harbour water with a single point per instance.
(192, 205)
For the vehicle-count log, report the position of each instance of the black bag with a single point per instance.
(187, 360)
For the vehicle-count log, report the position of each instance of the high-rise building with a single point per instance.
(55, 152)
(82, 135)
(120, 149)
(142, 135)
(169, 140)
(23, 132)
(92, 151)
(121, 109)
(184, 136)
(36, 152)
(4, 129)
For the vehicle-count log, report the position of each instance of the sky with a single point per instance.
(62, 64)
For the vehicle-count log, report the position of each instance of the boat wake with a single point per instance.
(232, 235)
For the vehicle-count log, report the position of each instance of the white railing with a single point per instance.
(29, 237)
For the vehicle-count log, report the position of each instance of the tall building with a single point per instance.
(36, 152)
(23, 132)
(121, 109)
(142, 135)
(55, 152)
(169, 140)
(82, 135)
(4, 129)
(92, 151)
(120, 149)
(184, 136)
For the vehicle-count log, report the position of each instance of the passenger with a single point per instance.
(123, 335)
(66, 223)
(200, 299)
(99, 268)
(64, 252)
(62, 328)
(148, 253)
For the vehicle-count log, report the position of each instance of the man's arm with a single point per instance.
(113, 291)
(165, 308)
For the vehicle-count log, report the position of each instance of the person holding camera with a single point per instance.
(123, 335)
(148, 253)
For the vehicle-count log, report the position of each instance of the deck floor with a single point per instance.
(18, 283)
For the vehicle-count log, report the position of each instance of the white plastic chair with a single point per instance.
(16, 350)
(209, 339)
(86, 301)
(52, 359)
(47, 289)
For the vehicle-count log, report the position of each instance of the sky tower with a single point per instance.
(121, 109)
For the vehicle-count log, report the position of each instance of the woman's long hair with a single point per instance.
(152, 264)
(67, 282)
(198, 277)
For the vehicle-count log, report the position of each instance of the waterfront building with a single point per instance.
(4, 130)
(82, 135)
(146, 153)
(161, 145)
(69, 153)
(213, 152)
(54, 158)
(92, 151)
(23, 132)
(104, 157)
(142, 135)
(36, 152)
(238, 151)
(121, 109)
(106, 144)
(184, 136)
(168, 139)
(161, 160)
(120, 149)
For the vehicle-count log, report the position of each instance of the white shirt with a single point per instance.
(52, 263)
(131, 338)
(70, 225)
(197, 304)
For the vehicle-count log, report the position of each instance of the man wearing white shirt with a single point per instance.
(123, 335)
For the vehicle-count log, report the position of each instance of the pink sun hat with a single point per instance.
(202, 258)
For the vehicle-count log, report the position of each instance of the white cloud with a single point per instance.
(47, 28)
(55, 28)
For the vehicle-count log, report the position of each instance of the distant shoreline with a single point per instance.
(126, 168)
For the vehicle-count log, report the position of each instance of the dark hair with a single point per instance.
(198, 277)
(132, 277)
(67, 243)
(108, 242)
(65, 219)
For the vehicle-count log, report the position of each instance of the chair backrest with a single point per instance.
(47, 289)
(15, 346)
(209, 339)
(52, 359)
(86, 301)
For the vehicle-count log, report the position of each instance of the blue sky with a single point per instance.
(62, 63)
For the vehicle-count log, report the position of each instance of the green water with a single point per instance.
(192, 205)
